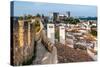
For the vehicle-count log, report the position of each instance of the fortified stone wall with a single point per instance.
(23, 46)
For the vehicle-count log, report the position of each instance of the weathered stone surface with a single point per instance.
(46, 52)
(22, 54)
(40, 51)
(43, 56)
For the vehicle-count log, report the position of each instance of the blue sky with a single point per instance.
(22, 7)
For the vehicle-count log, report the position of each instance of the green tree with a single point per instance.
(72, 20)
(94, 32)
(20, 18)
(29, 16)
(38, 15)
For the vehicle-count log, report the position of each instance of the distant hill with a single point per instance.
(88, 18)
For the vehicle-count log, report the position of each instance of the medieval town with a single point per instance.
(57, 38)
